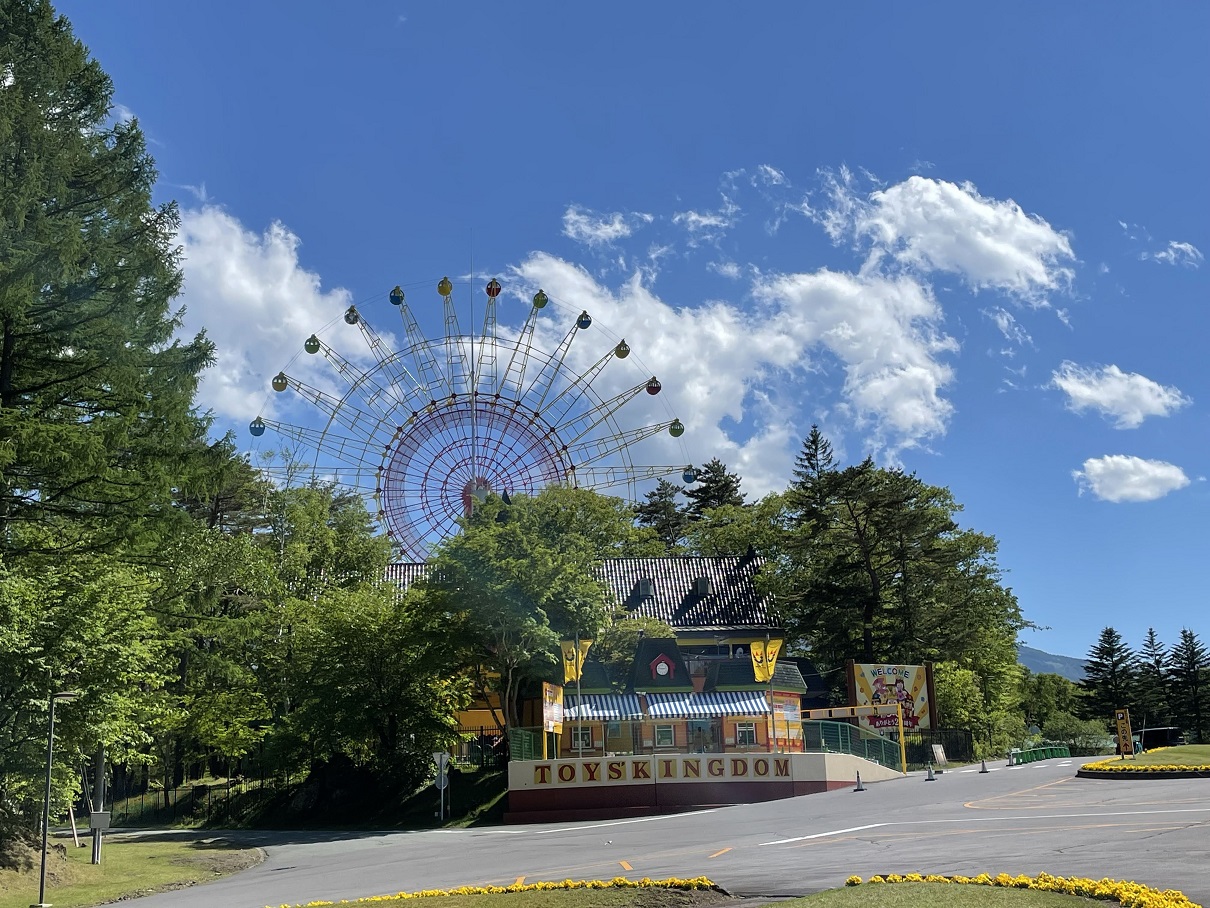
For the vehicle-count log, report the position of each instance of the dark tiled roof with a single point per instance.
(669, 589)
(737, 674)
(405, 573)
(673, 594)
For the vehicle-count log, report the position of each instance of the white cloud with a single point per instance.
(592, 229)
(726, 269)
(121, 113)
(1126, 397)
(770, 175)
(1008, 325)
(1178, 254)
(930, 225)
(257, 303)
(1121, 477)
(885, 333)
(6, 76)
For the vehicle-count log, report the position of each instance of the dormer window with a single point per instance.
(662, 668)
(701, 586)
(646, 588)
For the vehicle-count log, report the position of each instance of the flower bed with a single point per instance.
(1132, 895)
(618, 882)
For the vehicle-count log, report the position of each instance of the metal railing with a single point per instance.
(823, 736)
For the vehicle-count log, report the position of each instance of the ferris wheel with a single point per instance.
(426, 432)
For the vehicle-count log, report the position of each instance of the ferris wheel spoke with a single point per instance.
(457, 369)
(544, 381)
(574, 429)
(563, 402)
(340, 411)
(592, 450)
(359, 381)
(605, 477)
(432, 380)
(353, 452)
(485, 367)
(514, 374)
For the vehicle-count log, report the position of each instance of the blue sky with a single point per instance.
(967, 240)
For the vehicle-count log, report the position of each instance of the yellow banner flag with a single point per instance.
(757, 649)
(764, 658)
(772, 648)
(573, 658)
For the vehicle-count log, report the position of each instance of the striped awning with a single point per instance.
(610, 707)
(708, 705)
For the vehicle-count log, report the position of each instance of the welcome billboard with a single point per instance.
(880, 684)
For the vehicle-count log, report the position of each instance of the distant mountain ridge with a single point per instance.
(1039, 662)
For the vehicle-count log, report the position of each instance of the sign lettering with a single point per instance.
(640, 769)
(617, 770)
(760, 767)
(542, 774)
(592, 772)
(716, 768)
(567, 772)
(693, 769)
(667, 769)
(739, 767)
(781, 769)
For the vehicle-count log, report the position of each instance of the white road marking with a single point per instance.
(821, 835)
(666, 816)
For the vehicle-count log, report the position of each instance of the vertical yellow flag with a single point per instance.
(772, 648)
(757, 649)
(573, 659)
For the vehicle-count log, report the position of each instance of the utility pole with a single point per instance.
(99, 820)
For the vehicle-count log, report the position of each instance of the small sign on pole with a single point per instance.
(1125, 738)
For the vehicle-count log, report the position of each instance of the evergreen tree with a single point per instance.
(1190, 666)
(95, 394)
(1151, 697)
(716, 488)
(661, 511)
(1109, 676)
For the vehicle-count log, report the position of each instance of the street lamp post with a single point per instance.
(50, 750)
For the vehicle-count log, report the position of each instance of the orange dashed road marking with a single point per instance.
(717, 853)
(625, 866)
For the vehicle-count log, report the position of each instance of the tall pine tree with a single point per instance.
(1109, 677)
(95, 394)
(716, 487)
(1151, 698)
(1190, 666)
(663, 513)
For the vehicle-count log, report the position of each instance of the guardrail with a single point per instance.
(1018, 757)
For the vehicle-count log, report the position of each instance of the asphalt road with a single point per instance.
(1025, 819)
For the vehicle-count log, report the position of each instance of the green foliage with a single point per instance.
(1151, 699)
(95, 395)
(662, 513)
(1045, 694)
(1083, 736)
(374, 680)
(733, 529)
(876, 568)
(520, 577)
(1109, 677)
(83, 626)
(1190, 679)
(716, 488)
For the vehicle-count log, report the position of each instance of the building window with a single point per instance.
(613, 729)
(581, 739)
(745, 733)
(664, 736)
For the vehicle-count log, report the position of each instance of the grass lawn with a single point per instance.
(899, 895)
(126, 869)
(930, 895)
(1186, 755)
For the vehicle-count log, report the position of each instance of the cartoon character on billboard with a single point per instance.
(880, 694)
